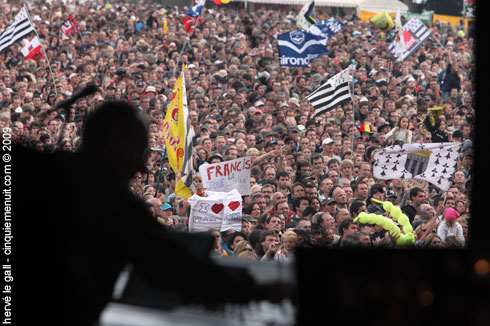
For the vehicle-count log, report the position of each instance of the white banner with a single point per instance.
(228, 175)
(220, 210)
(431, 162)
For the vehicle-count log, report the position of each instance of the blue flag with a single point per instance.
(326, 28)
(196, 10)
(298, 48)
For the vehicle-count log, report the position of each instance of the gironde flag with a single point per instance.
(298, 48)
(178, 136)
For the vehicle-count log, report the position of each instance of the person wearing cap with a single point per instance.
(327, 147)
(151, 92)
(140, 88)
(259, 105)
(256, 115)
(167, 211)
(293, 104)
(449, 227)
(271, 146)
(391, 196)
(74, 80)
(110, 90)
(384, 127)
(215, 158)
(329, 205)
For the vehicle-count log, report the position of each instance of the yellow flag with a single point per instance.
(178, 135)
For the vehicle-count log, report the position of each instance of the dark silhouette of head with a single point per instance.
(115, 137)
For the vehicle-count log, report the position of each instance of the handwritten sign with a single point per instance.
(228, 175)
(411, 183)
(219, 210)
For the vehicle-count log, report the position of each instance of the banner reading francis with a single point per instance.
(228, 175)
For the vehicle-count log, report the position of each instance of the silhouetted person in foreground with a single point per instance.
(77, 225)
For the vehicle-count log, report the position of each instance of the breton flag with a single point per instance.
(415, 33)
(306, 16)
(298, 48)
(335, 91)
(178, 136)
(69, 27)
(32, 49)
(18, 30)
(432, 162)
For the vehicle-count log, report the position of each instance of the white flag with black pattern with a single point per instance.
(433, 162)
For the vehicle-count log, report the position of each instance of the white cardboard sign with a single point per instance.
(220, 210)
(228, 175)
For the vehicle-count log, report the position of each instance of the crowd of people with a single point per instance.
(311, 177)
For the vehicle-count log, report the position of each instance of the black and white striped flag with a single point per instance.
(415, 33)
(335, 91)
(17, 31)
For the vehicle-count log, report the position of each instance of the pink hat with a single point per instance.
(450, 214)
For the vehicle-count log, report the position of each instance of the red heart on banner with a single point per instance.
(234, 205)
(216, 208)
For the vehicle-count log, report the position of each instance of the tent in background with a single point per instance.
(371, 6)
(377, 6)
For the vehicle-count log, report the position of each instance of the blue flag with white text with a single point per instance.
(298, 48)
(326, 28)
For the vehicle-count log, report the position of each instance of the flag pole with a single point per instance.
(42, 48)
(78, 29)
(185, 44)
(160, 171)
(439, 42)
(353, 115)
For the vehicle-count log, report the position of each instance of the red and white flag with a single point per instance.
(69, 26)
(32, 49)
(415, 33)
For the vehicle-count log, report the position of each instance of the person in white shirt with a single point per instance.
(449, 227)
(401, 132)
